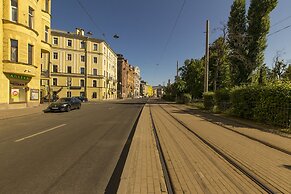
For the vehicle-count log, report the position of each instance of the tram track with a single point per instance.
(263, 184)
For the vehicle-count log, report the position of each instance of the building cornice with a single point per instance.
(19, 24)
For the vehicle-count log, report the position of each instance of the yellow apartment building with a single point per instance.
(81, 66)
(24, 38)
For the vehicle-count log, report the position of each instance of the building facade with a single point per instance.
(137, 82)
(82, 66)
(130, 81)
(24, 38)
(123, 70)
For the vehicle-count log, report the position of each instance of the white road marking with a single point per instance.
(33, 135)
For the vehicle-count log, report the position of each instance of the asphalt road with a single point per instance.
(74, 152)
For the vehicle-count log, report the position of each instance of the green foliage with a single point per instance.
(269, 104)
(287, 74)
(219, 73)
(222, 99)
(187, 98)
(208, 98)
(258, 28)
(237, 28)
(192, 74)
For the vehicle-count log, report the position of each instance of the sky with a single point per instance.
(155, 34)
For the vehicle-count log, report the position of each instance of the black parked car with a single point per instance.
(64, 104)
(81, 98)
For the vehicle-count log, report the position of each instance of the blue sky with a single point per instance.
(145, 27)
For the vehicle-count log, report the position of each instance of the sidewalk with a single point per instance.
(143, 172)
(11, 113)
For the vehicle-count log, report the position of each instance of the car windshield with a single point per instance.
(64, 100)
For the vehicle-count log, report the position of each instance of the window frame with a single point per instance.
(30, 54)
(71, 43)
(46, 34)
(55, 55)
(83, 58)
(55, 68)
(69, 57)
(82, 70)
(14, 10)
(95, 70)
(69, 69)
(55, 81)
(30, 17)
(82, 83)
(55, 40)
(95, 62)
(11, 50)
(94, 83)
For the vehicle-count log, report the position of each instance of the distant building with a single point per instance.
(82, 66)
(130, 81)
(158, 91)
(136, 82)
(123, 69)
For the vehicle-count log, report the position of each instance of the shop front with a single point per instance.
(18, 89)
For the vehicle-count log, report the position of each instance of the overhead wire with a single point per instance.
(286, 27)
(91, 18)
(172, 30)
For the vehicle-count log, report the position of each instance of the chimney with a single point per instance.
(78, 31)
(82, 32)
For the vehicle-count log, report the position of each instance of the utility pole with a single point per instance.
(206, 69)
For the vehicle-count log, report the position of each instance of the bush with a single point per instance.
(222, 99)
(208, 98)
(187, 98)
(269, 104)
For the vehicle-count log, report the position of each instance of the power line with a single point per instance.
(279, 22)
(91, 18)
(279, 30)
(173, 29)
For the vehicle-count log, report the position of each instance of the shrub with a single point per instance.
(270, 104)
(222, 99)
(208, 98)
(187, 98)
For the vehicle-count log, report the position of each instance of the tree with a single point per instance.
(192, 74)
(237, 28)
(287, 74)
(218, 64)
(258, 28)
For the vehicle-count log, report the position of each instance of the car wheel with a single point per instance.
(68, 109)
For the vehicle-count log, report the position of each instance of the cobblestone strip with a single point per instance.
(269, 164)
(143, 172)
(195, 168)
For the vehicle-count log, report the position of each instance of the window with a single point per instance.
(95, 47)
(94, 95)
(94, 71)
(69, 43)
(82, 83)
(69, 57)
(14, 10)
(14, 50)
(82, 45)
(46, 34)
(94, 83)
(30, 17)
(95, 59)
(82, 58)
(82, 70)
(55, 55)
(30, 54)
(69, 69)
(46, 6)
(56, 41)
(55, 68)
(55, 81)
(69, 94)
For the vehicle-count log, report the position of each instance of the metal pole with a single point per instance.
(86, 65)
(206, 58)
